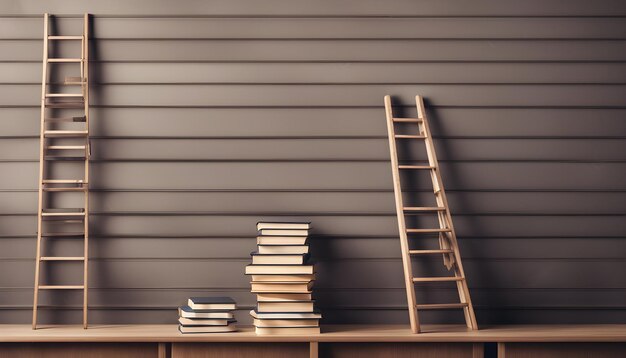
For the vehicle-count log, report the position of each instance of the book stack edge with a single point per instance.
(282, 279)
(207, 315)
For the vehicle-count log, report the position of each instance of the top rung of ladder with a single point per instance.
(408, 120)
(53, 37)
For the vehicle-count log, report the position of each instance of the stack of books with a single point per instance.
(282, 280)
(207, 315)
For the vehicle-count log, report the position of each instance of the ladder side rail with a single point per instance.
(85, 89)
(44, 80)
(406, 259)
(442, 200)
(448, 259)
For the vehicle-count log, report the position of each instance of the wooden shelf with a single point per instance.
(330, 333)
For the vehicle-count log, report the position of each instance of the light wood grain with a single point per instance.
(478, 350)
(314, 350)
(447, 235)
(447, 239)
(404, 243)
(330, 333)
(45, 134)
(42, 130)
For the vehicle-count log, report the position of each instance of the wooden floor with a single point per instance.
(335, 333)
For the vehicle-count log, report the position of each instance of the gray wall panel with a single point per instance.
(364, 202)
(334, 50)
(298, 73)
(263, 95)
(354, 149)
(210, 116)
(328, 28)
(306, 8)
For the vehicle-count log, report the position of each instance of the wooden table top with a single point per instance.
(330, 333)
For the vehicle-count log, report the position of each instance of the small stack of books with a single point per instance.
(282, 280)
(207, 315)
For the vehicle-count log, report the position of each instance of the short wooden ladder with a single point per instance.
(448, 247)
(58, 143)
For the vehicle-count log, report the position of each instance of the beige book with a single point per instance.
(283, 225)
(283, 278)
(297, 306)
(281, 240)
(286, 322)
(207, 329)
(279, 269)
(263, 259)
(281, 287)
(204, 322)
(281, 232)
(287, 330)
(285, 315)
(283, 249)
(282, 297)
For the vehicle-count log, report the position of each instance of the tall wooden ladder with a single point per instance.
(448, 246)
(63, 141)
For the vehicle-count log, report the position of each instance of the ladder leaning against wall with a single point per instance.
(448, 247)
(63, 147)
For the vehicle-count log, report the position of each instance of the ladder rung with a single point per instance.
(62, 287)
(408, 120)
(415, 167)
(441, 306)
(64, 181)
(429, 252)
(74, 81)
(65, 37)
(61, 157)
(63, 234)
(66, 147)
(409, 136)
(436, 279)
(66, 105)
(63, 212)
(423, 208)
(417, 231)
(63, 95)
(65, 60)
(67, 119)
(62, 258)
(62, 133)
(73, 188)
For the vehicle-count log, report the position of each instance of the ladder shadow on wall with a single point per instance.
(460, 203)
(98, 268)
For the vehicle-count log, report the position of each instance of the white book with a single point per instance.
(283, 225)
(188, 312)
(207, 329)
(282, 259)
(287, 330)
(211, 303)
(283, 249)
(285, 315)
(280, 240)
(283, 278)
(294, 306)
(286, 322)
(279, 269)
(284, 232)
(204, 322)
(282, 297)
